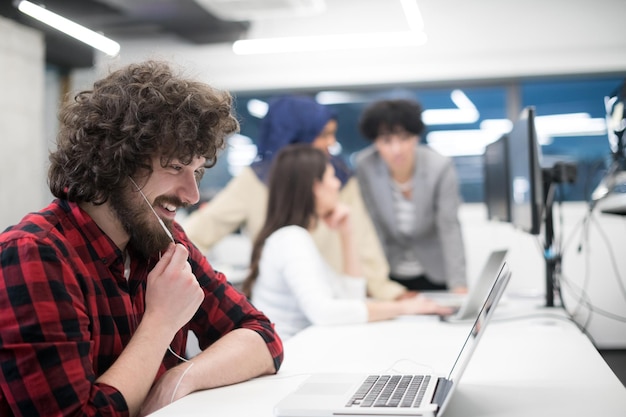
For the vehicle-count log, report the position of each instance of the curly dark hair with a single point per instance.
(136, 113)
(386, 116)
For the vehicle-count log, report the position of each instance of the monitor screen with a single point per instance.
(496, 180)
(525, 175)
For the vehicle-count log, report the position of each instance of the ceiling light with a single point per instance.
(415, 36)
(499, 125)
(241, 153)
(328, 42)
(70, 28)
(570, 124)
(257, 108)
(465, 113)
(462, 142)
(339, 97)
(242, 10)
(413, 15)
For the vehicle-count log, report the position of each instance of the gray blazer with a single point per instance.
(437, 242)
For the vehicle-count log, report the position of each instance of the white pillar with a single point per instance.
(23, 147)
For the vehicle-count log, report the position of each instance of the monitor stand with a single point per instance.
(561, 172)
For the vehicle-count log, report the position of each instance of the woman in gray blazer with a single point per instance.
(412, 194)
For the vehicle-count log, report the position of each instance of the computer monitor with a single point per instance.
(496, 180)
(525, 174)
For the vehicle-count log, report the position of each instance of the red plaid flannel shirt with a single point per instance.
(67, 312)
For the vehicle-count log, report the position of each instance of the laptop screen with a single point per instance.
(484, 315)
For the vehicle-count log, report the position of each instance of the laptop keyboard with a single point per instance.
(390, 391)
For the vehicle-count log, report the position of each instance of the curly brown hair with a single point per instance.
(136, 113)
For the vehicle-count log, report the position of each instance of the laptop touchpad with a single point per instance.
(314, 388)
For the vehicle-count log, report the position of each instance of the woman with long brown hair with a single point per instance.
(289, 280)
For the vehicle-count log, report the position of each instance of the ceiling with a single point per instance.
(466, 40)
(185, 19)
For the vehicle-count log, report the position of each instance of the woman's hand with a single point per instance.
(339, 218)
(423, 305)
(407, 294)
(459, 290)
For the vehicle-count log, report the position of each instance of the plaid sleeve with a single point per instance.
(45, 345)
(225, 309)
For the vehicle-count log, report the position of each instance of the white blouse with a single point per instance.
(296, 287)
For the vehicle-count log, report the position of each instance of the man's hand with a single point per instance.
(173, 294)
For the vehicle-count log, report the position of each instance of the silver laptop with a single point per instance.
(329, 394)
(468, 305)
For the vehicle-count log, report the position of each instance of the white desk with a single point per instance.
(540, 366)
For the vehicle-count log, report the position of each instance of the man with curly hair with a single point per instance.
(99, 290)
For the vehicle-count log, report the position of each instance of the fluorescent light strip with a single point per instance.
(339, 97)
(473, 142)
(91, 38)
(327, 42)
(257, 108)
(413, 37)
(413, 15)
(465, 113)
(462, 142)
(241, 153)
(572, 124)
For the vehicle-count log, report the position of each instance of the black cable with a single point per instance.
(582, 300)
(591, 306)
(580, 294)
(540, 315)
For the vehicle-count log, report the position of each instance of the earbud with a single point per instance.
(167, 231)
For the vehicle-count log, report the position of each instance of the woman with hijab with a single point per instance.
(289, 280)
(242, 203)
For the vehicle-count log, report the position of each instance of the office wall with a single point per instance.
(23, 150)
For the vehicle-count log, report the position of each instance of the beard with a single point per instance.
(146, 235)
